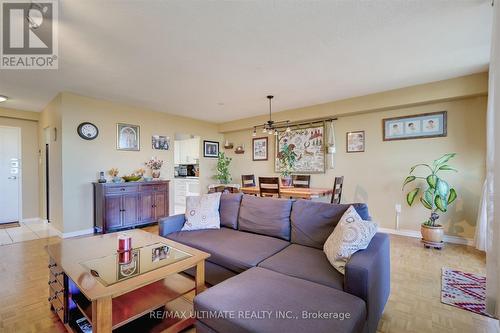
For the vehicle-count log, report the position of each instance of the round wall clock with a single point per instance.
(87, 131)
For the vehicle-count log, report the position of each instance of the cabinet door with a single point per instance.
(113, 211)
(177, 152)
(161, 205)
(146, 207)
(129, 209)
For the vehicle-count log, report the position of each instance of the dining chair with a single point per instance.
(337, 189)
(269, 186)
(224, 189)
(303, 181)
(248, 180)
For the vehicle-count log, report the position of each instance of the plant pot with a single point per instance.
(432, 234)
(155, 174)
(286, 181)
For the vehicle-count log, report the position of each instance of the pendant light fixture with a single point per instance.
(271, 127)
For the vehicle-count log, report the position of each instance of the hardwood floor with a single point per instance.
(414, 304)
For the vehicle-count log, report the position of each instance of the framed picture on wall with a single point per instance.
(210, 149)
(425, 125)
(128, 137)
(160, 142)
(260, 149)
(355, 142)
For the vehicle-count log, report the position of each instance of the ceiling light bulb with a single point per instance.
(3, 98)
(275, 132)
(264, 131)
(271, 131)
(254, 132)
(288, 129)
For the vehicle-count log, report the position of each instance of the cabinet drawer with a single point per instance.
(120, 189)
(160, 187)
(153, 187)
(58, 308)
(56, 294)
(56, 273)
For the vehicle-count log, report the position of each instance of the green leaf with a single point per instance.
(429, 196)
(452, 196)
(409, 179)
(410, 197)
(432, 180)
(425, 203)
(446, 167)
(442, 188)
(422, 164)
(443, 159)
(441, 204)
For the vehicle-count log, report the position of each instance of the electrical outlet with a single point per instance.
(398, 208)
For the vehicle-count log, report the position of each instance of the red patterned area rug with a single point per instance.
(464, 290)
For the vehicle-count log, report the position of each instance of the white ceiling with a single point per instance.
(217, 60)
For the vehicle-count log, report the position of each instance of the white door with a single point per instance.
(10, 174)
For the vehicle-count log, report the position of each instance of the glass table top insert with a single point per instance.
(117, 267)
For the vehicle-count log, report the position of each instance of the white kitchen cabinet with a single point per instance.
(187, 151)
(184, 187)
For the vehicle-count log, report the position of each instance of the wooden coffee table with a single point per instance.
(89, 279)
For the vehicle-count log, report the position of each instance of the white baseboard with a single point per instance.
(77, 233)
(32, 220)
(416, 234)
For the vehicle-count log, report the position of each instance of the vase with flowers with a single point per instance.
(155, 165)
(114, 175)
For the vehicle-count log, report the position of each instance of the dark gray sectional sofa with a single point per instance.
(269, 274)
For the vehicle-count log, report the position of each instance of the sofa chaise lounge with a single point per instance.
(269, 273)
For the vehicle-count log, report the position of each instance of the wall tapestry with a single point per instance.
(309, 147)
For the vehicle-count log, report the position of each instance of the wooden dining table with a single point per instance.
(293, 192)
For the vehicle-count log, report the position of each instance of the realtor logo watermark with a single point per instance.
(29, 34)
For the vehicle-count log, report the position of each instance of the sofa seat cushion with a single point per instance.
(305, 263)
(260, 291)
(232, 249)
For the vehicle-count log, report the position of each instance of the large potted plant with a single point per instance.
(223, 175)
(434, 193)
(287, 158)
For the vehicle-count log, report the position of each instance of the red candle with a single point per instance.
(124, 243)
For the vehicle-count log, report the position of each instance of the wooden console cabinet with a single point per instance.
(120, 206)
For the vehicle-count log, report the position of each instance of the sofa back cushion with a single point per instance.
(265, 216)
(312, 221)
(229, 209)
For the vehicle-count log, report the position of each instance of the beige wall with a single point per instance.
(434, 92)
(82, 160)
(375, 176)
(49, 131)
(29, 158)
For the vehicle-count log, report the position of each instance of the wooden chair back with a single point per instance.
(337, 190)
(224, 189)
(248, 180)
(269, 186)
(302, 181)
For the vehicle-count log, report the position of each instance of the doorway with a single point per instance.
(10, 174)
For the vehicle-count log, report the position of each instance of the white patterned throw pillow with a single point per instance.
(202, 212)
(351, 234)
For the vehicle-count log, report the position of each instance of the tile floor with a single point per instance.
(28, 230)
